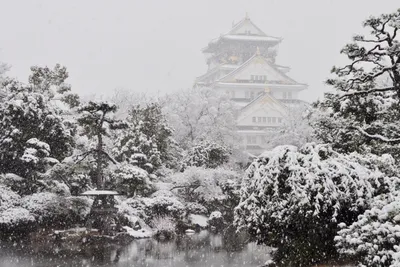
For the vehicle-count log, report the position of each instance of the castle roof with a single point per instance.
(258, 65)
(244, 31)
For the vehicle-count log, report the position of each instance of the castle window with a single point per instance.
(259, 119)
(280, 120)
(269, 119)
(254, 119)
(252, 95)
(273, 119)
(264, 120)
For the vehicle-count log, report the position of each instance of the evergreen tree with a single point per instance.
(33, 132)
(363, 114)
(148, 141)
(96, 122)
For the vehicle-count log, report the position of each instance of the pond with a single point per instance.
(200, 249)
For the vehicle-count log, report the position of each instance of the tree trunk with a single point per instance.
(99, 167)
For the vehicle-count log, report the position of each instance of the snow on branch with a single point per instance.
(377, 136)
(367, 92)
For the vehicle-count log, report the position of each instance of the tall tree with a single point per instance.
(362, 115)
(96, 122)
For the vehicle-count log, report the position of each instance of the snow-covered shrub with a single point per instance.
(56, 187)
(373, 240)
(12, 216)
(163, 206)
(79, 208)
(130, 211)
(8, 198)
(293, 198)
(15, 218)
(132, 180)
(208, 155)
(48, 208)
(197, 184)
(215, 189)
(195, 208)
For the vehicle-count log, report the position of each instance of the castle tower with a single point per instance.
(241, 63)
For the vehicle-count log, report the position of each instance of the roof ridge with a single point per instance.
(238, 68)
(276, 101)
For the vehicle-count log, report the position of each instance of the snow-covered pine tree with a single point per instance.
(363, 114)
(148, 141)
(96, 120)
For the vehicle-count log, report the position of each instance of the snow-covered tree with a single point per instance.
(96, 120)
(51, 83)
(362, 115)
(126, 100)
(207, 154)
(148, 141)
(3, 69)
(201, 114)
(33, 132)
(294, 199)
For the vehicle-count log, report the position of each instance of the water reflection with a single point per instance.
(197, 250)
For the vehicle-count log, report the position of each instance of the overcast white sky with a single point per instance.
(154, 46)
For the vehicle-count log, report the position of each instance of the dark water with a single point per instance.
(202, 249)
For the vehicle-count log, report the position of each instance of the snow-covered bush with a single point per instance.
(47, 208)
(208, 155)
(79, 208)
(8, 198)
(195, 208)
(15, 218)
(215, 189)
(12, 216)
(132, 180)
(131, 211)
(294, 198)
(197, 184)
(163, 206)
(373, 240)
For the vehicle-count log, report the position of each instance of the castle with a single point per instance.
(241, 63)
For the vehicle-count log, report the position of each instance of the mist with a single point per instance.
(154, 46)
